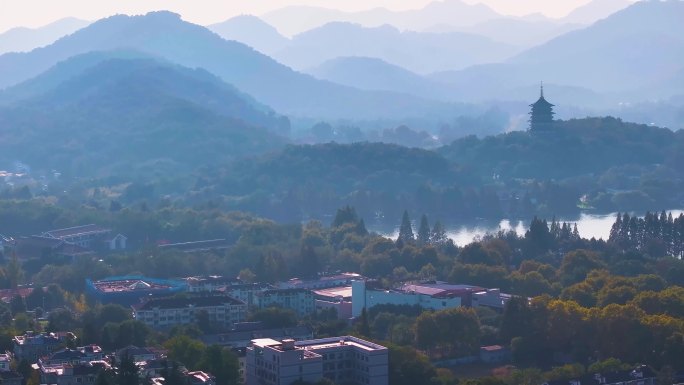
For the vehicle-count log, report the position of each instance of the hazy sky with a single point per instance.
(34, 13)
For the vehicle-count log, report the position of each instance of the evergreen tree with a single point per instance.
(128, 373)
(423, 232)
(406, 230)
(363, 324)
(438, 235)
(310, 265)
(361, 228)
(344, 215)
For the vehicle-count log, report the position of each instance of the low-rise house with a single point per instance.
(168, 312)
(7, 375)
(137, 354)
(72, 374)
(302, 301)
(32, 346)
(74, 356)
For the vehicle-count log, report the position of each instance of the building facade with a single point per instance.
(345, 359)
(32, 346)
(169, 312)
(302, 301)
(438, 296)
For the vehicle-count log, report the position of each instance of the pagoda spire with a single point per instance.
(541, 114)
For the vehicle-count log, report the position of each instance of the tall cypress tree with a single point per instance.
(423, 232)
(438, 236)
(406, 230)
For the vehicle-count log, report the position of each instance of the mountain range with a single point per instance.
(165, 35)
(416, 51)
(112, 111)
(452, 14)
(22, 39)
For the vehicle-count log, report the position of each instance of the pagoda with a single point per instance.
(541, 115)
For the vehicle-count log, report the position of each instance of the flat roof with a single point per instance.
(263, 342)
(331, 342)
(345, 292)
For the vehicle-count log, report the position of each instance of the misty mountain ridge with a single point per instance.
(376, 74)
(22, 39)
(419, 52)
(638, 48)
(252, 31)
(157, 112)
(164, 34)
(293, 20)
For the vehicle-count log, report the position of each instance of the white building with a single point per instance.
(346, 359)
(434, 296)
(168, 312)
(302, 301)
(247, 293)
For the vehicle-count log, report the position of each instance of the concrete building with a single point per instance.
(129, 290)
(243, 333)
(168, 312)
(431, 295)
(324, 282)
(491, 298)
(338, 298)
(247, 292)
(346, 359)
(300, 300)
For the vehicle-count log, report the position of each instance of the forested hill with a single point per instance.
(311, 180)
(605, 163)
(143, 113)
(576, 147)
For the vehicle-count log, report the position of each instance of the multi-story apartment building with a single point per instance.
(247, 292)
(346, 359)
(168, 312)
(302, 301)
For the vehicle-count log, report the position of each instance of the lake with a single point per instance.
(588, 225)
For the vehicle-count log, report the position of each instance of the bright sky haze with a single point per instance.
(36, 13)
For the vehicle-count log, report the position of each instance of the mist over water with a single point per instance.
(589, 226)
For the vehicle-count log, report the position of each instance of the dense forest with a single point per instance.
(627, 293)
